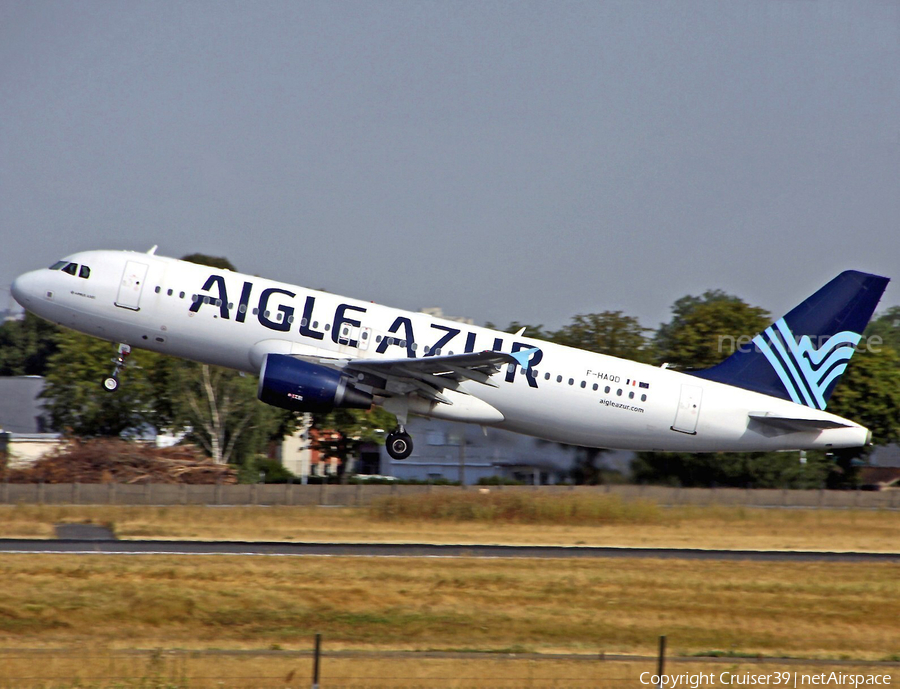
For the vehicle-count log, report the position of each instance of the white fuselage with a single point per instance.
(575, 396)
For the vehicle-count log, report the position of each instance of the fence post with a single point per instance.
(662, 658)
(315, 684)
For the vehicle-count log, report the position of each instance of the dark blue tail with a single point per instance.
(801, 356)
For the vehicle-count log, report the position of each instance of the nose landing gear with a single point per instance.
(111, 384)
(399, 443)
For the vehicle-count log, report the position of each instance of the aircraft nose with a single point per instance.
(25, 288)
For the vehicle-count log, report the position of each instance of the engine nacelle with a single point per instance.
(298, 385)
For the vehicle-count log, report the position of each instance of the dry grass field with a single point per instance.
(573, 606)
(494, 518)
(87, 612)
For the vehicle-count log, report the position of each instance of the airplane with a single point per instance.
(314, 351)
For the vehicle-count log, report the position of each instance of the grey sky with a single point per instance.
(505, 161)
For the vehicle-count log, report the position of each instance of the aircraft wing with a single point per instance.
(795, 424)
(427, 376)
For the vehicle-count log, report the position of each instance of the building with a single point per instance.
(445, 450)
(24, 424)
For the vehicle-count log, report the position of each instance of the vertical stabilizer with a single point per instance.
(802, 356)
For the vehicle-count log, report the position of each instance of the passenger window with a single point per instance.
(71, 269)
(169, 293)
(85, 272)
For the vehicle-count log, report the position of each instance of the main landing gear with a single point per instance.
(398, 443)
(111, 384)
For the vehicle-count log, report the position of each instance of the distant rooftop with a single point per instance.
(21, 410)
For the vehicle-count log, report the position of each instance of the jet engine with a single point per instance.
(298, 385)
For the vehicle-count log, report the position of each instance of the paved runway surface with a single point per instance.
(418, 550)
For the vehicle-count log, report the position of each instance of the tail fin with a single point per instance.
(801, 356)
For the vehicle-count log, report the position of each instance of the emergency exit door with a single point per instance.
(688, 412)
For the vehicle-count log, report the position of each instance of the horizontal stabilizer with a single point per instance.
(796, 424)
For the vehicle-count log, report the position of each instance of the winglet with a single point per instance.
(523, 356)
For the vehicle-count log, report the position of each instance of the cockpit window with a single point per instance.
(71, 269)
(58, 265)
(85, 272)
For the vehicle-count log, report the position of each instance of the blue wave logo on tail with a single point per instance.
(805, 371)
(802, 356)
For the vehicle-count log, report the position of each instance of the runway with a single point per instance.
(148, 547)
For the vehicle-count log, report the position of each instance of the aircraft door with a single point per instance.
(351, 336)
(364, 336)
(688, 412)
(132, 285)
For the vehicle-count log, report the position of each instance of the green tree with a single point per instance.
(212, 261)
(885, 327)
(734, 469)
(868, 393)
(707, 329)
(535, 331)
(26, 346)
(77, 402)
(219, 408)
(607, 332)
